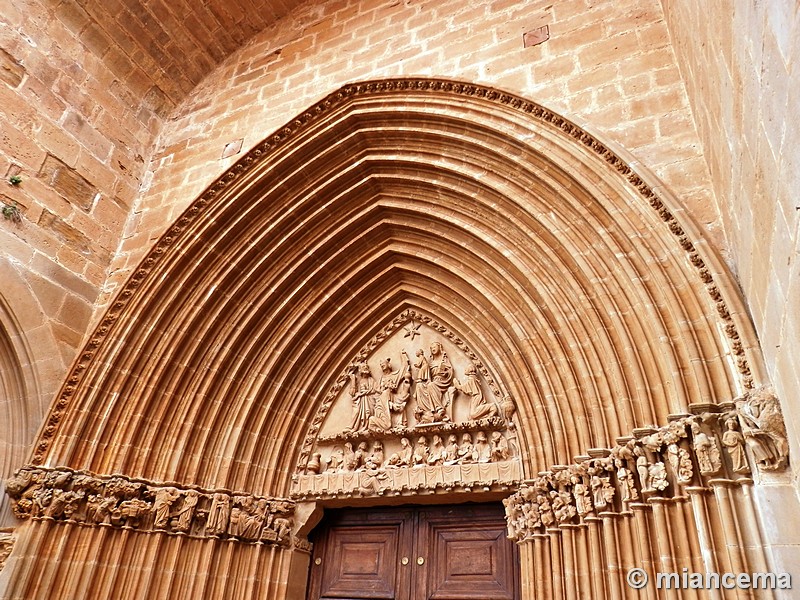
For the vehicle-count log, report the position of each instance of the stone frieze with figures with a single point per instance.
(415, 411)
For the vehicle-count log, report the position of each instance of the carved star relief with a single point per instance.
(412, 330)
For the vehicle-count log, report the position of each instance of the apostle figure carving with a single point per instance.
(186, 512)
(583, 499)
(499, 447)
(642, 467)
(601, 489)
(514, 516)
(349, 460)
(362, 391)
(706, 451)
(479, 407)
(218, 514)
(336, 460)
(627, 486)
(733, 440)
(421, 451)
(406, 453)
(164, 499)
(437, 453)
(360, 455)
(466, 451)
(451, 450)
(483, 451)
(377, 456)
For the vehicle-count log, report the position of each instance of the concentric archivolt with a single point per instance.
(605, 309)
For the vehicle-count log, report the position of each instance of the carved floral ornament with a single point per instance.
(416, 411)
(692, 450)
(78, 497)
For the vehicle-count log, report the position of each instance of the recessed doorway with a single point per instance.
(454, 552)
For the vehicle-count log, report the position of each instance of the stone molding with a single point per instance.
(718, 444)
(303, 122)
(410, 481)
(82, 498)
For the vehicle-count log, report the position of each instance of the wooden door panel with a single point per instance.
(454, 553)
(466, 554)
(361, 563)
(359, 554)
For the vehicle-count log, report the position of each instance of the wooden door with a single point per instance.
(457, 552)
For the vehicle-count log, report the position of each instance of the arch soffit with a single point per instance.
(596, 299)
(27, 346)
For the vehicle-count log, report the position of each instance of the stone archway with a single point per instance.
(597, 304)
(28, 352)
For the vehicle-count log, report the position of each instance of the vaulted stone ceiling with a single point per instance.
(164, 48)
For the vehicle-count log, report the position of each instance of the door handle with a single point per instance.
(404, 561)
(420, 560)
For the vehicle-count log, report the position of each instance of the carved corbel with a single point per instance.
(764, 430)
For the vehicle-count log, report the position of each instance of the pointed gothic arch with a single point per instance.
(27, 345)
(594, 297)
(520, 229)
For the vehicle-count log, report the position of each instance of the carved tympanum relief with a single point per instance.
(415, 411)
(690, 452)
(85, 499)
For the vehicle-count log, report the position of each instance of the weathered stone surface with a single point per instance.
(11, 72)
(68, 182)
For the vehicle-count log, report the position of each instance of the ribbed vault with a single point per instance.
(591, 294)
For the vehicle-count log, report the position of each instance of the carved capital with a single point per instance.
(86, 499)
(655, 465)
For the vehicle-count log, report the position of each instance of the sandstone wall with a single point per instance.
(77, 122)
(608, 66)
(740, 63)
